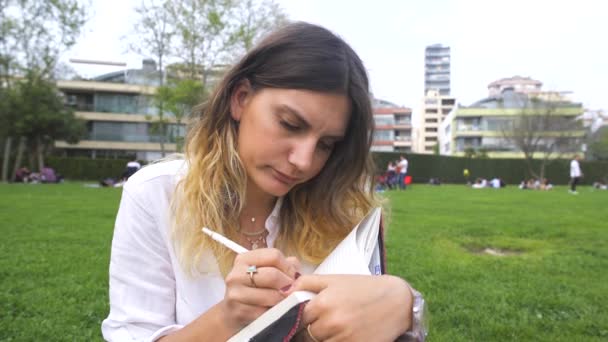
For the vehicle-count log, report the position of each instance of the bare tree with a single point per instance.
(255, 19)
(155, 30)
(543, 128)
(212, 33)
(203, 32)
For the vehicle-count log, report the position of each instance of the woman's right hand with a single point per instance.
(246, 299)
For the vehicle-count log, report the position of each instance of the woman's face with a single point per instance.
(285, 135)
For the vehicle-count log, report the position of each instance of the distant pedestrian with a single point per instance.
(403, 164)
(575, 174)
(391, 174)
(132, 167)
(466, 175)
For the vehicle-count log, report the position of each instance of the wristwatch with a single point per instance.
(419, 329)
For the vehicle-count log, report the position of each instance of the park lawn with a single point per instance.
(55, 244)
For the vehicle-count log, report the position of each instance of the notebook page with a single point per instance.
(354, 253)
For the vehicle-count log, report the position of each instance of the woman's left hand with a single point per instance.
(356, 307)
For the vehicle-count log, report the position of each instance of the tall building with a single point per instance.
(433, 110)
(393, 127)
(437, 69)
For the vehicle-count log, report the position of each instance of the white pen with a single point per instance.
(225, 241)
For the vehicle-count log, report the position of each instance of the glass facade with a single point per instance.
(384, 135)
(124, 103)
(384, 120)
(111, 103)
(493, 123)
(132, 132)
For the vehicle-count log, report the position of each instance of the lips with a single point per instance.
(284, 178)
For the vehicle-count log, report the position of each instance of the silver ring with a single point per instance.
(251, 270)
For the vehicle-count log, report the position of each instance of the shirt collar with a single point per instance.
(272, 223)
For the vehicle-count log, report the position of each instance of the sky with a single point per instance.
(560, 43)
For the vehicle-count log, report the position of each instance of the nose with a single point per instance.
(302, 154)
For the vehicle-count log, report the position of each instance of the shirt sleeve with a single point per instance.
(142, 280)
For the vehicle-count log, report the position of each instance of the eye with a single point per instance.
(326, 146)
(289, 126)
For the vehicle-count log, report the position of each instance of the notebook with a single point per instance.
(361, 252)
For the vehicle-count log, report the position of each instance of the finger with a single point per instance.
(295, 263)
(254, 296)
(265, 277)
(266, 257)
(313, 283)
(311, 333)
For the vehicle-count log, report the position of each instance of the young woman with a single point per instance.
(278, 161)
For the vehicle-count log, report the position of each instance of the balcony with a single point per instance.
(404, 138)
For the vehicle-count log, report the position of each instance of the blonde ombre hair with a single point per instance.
(314, 216)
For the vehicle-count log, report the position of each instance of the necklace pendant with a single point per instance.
(254, 245)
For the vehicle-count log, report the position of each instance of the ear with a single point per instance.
(240, 96)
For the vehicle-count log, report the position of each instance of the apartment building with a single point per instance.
(120, 115)
(480, 126)
(393, 127)
(518, 84)
(433, 110)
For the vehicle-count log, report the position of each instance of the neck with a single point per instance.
(258, 205)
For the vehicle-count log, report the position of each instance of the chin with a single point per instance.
(276, 188)
(278, 191)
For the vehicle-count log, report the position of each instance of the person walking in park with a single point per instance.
(261, 157)
(575, 173)
(403, 165)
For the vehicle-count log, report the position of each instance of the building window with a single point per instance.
(431, 130)
(430, 139)
(384, 120)
(431, 110)
(431, 120)
(468, 124)
(384, 135)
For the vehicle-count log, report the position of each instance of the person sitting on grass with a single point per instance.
(22, 175)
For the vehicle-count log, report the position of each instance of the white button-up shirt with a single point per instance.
(150, 296)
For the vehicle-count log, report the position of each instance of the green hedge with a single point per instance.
(81, 168)
(87, 169)
(422, 167)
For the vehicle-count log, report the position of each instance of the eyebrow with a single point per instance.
(300, 117)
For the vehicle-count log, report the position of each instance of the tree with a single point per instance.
(44, 120)
(543, 128)
(480, 153)
(213, 32)
(598, 145)
(155, 31)
(33, 33)
(257, 18)
(180, 97)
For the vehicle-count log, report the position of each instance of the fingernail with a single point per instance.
(297, 275)
(286, 288)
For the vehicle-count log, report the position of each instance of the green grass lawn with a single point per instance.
(551, 286)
